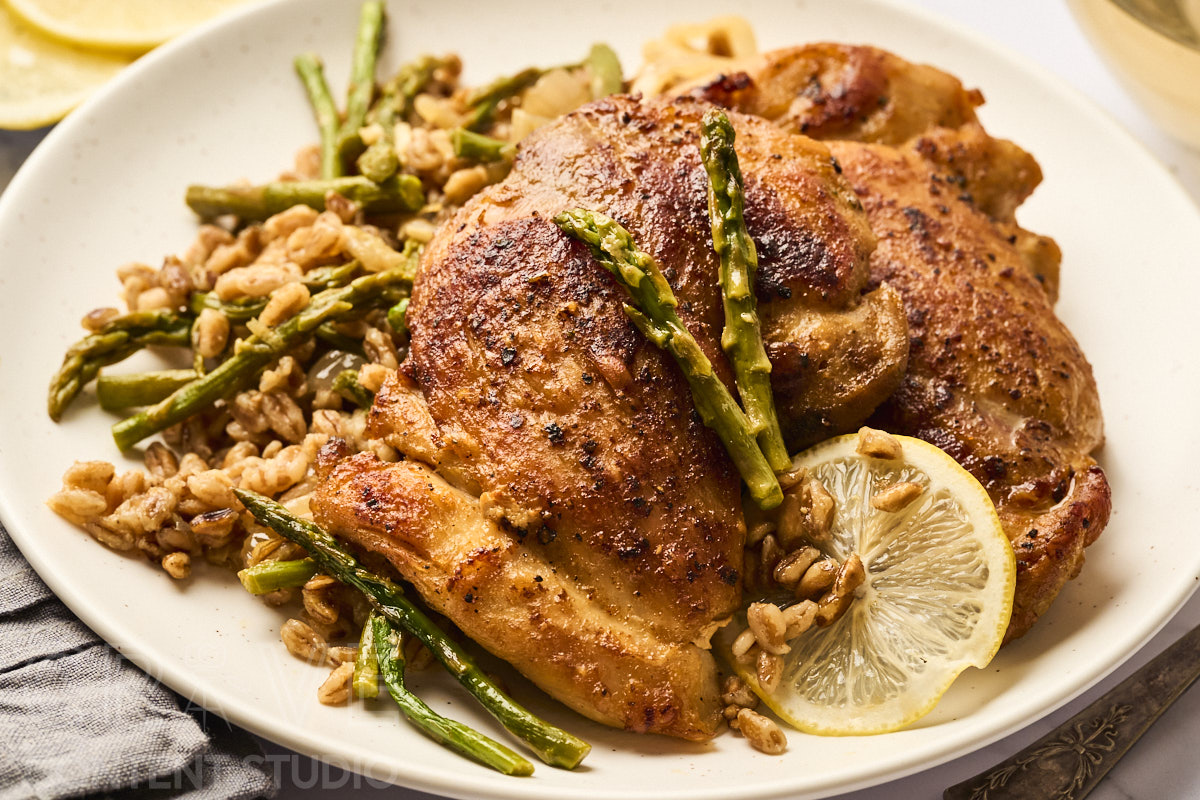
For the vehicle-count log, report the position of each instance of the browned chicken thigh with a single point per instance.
(994, 378)
(562, 502)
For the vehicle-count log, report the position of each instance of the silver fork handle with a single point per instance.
(1068, 762)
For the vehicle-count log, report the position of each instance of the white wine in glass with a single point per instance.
(1153, 46)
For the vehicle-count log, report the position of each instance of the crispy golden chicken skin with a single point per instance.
(839, 91)
(502, 592)
(994, 378)
(571, 443)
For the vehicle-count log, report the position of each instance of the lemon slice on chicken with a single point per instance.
(936, 598)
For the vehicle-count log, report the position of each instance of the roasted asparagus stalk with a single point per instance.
(553, 745)
(455, 735)
(397, 193)
(653, 312)
(742, 337)
(256, 352)
(116, 341)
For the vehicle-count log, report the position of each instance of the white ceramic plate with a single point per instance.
(106, 187)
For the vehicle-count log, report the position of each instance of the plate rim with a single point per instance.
(174, 674)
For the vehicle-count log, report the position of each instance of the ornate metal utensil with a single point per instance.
(1068, 762)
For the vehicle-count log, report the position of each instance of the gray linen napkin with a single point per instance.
(76, 719)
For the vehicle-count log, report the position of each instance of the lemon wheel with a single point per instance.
(41, 79)
(936, 598)
(128, 25)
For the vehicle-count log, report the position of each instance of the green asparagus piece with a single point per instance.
(256, 352)
(116, 341)
(322, 278)
(653, 312)
(477, 147)
(362, 80)
(483, 101)
(269, 576)
(397, 316)
(239, 310)
(742, 337)
(346, 384)
(551, 744)
(397, 193)
(605, 70)
(365, 682)
(362, 73)
(116, 392)
(312, 75)
(447, 732)
(328, 334)
(243, 309)
(379, 161)
(399, 92)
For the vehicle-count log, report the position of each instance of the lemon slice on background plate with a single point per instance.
(41, 79)
(936, 598)
(129, 25)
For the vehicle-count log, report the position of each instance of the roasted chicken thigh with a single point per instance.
(994, 377)
(561, 500)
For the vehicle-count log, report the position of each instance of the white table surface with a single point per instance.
(1163, 766)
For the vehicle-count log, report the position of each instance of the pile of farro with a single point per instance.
(180, 509)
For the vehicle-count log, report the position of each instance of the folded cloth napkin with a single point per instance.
(77, 719)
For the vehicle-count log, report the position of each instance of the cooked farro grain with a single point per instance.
(303, 642)
(335, 691)
(211, 333)
(177, 565)
(761, 732)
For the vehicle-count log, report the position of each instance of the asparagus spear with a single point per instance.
(312, 75)
(476, 146)
(328, 334)
(235, 310)
(742, 337)
(397, 316)
(448, 732)
(116, 341)
(483, 101)
(116, 392)
(605, 69)
(243, 309)
(405, 85)
(397, 193)
(365, 682)
(346, 384)
(381, 160)
(256, 352)
(551, 744)
(653, 312)
(362, 81)
(322, 278)
(268, 576)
